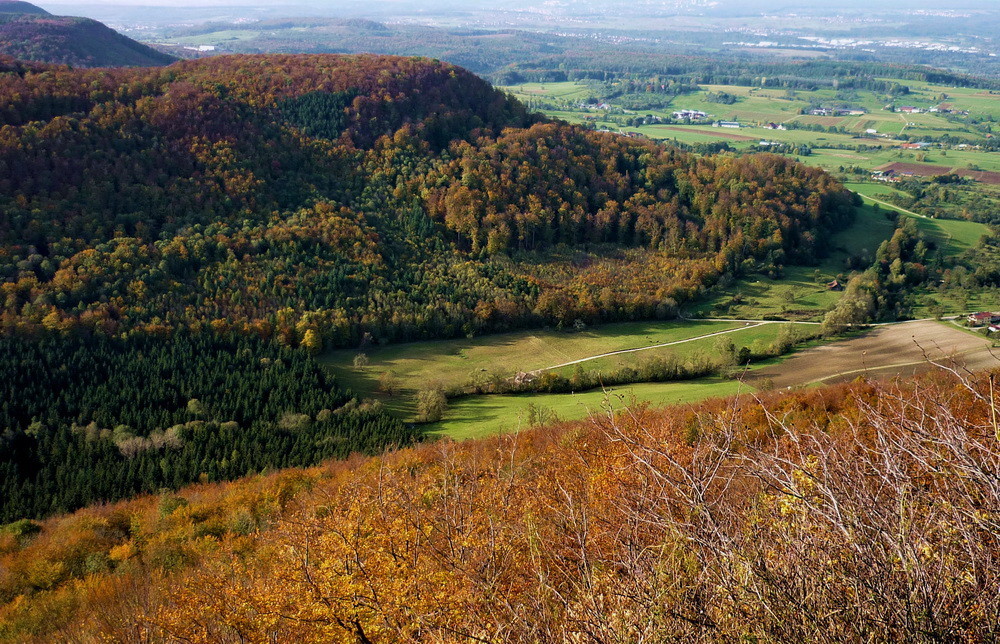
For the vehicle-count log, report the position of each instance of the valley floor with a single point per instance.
(900, 349)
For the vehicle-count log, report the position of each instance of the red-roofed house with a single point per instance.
(983, 318)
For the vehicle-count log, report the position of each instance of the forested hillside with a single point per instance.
(81, 42)
(176, 242)
(18, 7)
(855, 513)
(88, 419)
(354, 196)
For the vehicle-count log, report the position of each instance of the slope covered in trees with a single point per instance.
(172, 234)
(18, 7)
(853, 513)
(80, 42)
(89, 419)
(357, 197)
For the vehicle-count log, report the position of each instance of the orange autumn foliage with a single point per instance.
(850, 512)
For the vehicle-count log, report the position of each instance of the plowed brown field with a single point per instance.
(899, 349)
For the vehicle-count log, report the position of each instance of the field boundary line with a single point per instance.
(951, 356)
(753, 324)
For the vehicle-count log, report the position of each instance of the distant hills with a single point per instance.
(16, 6)
(28, 32)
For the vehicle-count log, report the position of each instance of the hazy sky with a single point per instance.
(763, 4)
(102, 8)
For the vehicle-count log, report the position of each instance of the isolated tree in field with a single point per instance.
(361, 361)
(857, 306)
(431, 405)
(536, 415)
(388, 384)
(788, 297)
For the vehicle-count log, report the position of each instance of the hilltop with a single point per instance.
(18, 7)
(81, 42)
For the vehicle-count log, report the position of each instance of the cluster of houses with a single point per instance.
(985, 318)
(910, 109)
(836, 111)
(886, 176)
(693, 115)
(775, 126)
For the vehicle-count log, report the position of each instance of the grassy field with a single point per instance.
(757, 337)
(478, 416)
(455, 363)
(953, 235)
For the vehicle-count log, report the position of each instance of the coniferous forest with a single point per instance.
(175, 244)
(98, 418)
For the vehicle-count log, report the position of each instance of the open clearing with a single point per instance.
(454, 363)
(479, 416)
(898, 349)
(954, 235)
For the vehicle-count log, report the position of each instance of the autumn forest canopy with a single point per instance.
(179, 245)
(403, 198)
(176, 243)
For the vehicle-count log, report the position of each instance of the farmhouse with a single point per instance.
(694, 115)
(887, 176)
(983, 318)
(835, 111)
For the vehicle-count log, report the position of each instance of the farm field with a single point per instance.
(755, 107)
(894, 350)
(454, 363)
(898, 349)
(753, 335)
(479, 416)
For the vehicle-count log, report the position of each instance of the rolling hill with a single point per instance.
(18, 7)
(270, 206)
(30, 33)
